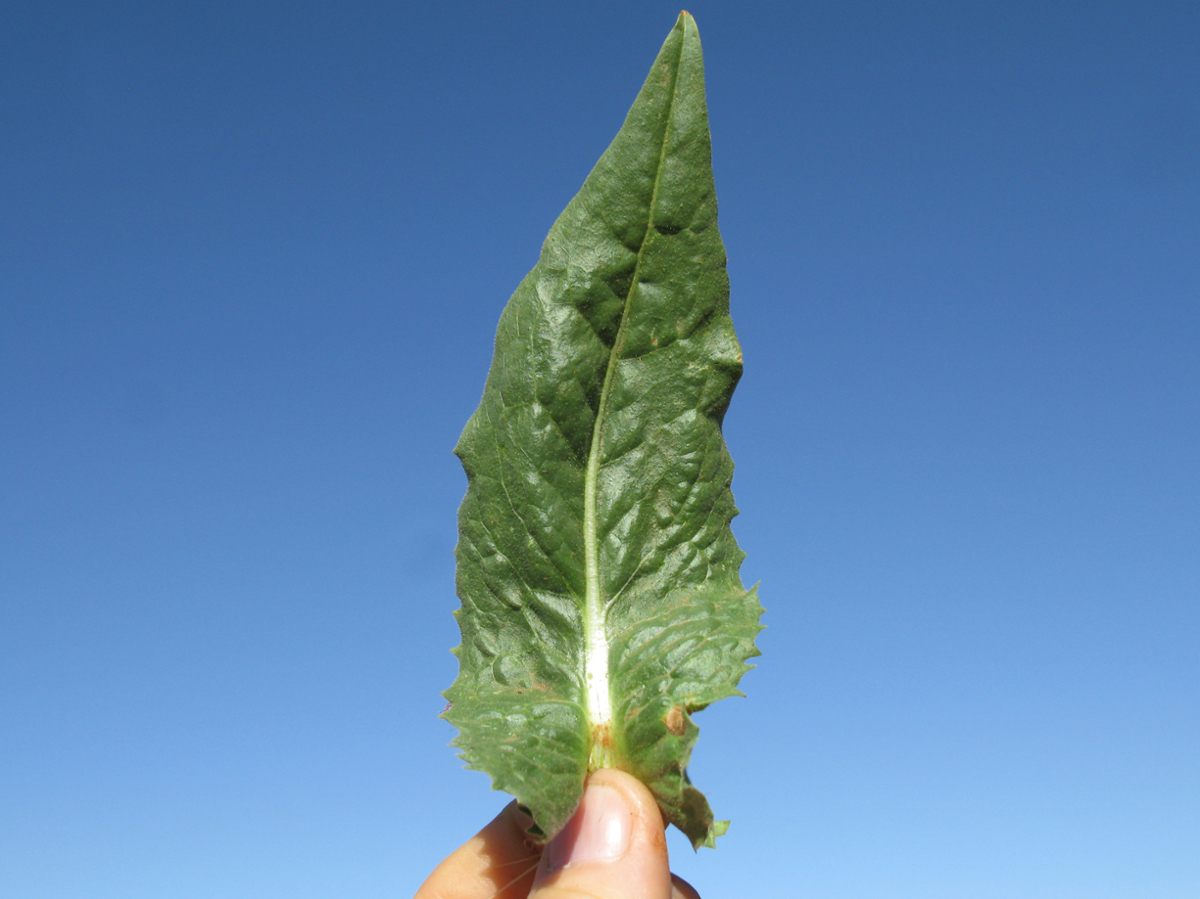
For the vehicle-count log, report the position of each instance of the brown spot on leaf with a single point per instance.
(602, 752)
(602, 736)
(676, 721)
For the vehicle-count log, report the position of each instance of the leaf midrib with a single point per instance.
(598, 696)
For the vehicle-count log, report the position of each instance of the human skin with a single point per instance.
(613, 848)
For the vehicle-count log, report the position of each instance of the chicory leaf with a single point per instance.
(601, 601)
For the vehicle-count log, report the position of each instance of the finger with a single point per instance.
(613, 848)
(499, 862)
(681, 889)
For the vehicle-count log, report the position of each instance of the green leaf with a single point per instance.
(601, 602)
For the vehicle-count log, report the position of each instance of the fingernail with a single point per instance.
(599, 832)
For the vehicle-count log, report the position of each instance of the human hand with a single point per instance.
(613, 848)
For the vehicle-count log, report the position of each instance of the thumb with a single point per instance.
(613, 848)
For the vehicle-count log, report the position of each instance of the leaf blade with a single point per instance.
(598, 496)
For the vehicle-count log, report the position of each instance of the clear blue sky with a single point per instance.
(252, 256)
